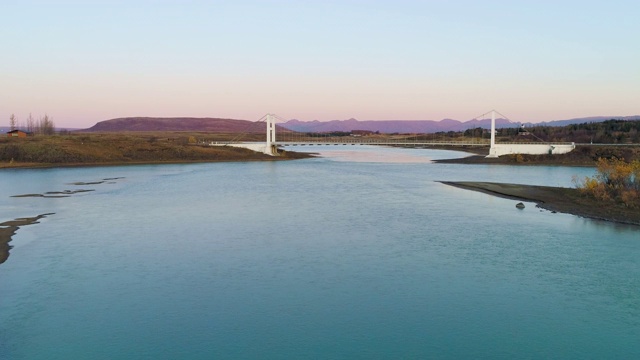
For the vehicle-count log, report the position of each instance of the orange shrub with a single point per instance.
(616, 180)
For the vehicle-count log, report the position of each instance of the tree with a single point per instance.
(46, 126)
(31, 124)
(13, 122)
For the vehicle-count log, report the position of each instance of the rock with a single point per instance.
(520, 205)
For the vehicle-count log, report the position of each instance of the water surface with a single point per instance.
(360, 254)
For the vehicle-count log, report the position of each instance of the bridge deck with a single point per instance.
(405, 143)
(326, 142)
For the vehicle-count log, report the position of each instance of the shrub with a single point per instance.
(616, 180)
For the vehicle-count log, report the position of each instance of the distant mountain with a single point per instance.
(583, 120)
(392, 126)
(174, 124)
(428, 126)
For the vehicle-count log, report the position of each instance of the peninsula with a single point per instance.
(124, 148)
(556, 199)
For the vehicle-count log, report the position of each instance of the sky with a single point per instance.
(81, 62)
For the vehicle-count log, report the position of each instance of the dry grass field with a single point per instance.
(125, 148)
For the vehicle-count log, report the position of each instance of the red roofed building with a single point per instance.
(18, 133)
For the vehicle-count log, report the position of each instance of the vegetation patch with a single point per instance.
(123, 148)
(617, 181)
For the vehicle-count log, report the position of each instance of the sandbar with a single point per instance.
(9, 228)
(556, 199)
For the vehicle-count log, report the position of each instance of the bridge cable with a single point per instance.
(247, 129)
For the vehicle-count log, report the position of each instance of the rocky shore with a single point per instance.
(9, 228)
(556, 199)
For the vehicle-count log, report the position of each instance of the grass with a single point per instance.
(123, 148)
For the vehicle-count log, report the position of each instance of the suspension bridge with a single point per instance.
(292, 138)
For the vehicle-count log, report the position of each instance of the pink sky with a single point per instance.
(83, 63)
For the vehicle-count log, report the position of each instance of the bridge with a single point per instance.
(389, 142)
(291, 138)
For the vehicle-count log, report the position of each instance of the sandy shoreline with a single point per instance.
(9, 228)
(18, 165)
(564, 200)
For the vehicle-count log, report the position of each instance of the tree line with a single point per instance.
(606, 132)
(44, 125)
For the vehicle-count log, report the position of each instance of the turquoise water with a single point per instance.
(360, 254)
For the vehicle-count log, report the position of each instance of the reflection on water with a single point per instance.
(351, 153)
(359, 156)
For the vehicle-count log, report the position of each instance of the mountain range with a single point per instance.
(428, 126)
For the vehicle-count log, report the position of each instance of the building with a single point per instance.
(18, 133)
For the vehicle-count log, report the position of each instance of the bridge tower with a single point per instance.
(271, 147)
(493, 151)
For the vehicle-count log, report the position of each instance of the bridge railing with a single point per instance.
(342, 140)
(535, 143)
(399, 143)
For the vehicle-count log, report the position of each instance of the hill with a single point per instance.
(174, 124)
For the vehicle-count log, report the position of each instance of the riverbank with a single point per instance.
(107, 149)
(9, 228)
(583, 155)
(564, 200)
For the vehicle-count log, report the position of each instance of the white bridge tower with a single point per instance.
(271, 147)
(493, 151)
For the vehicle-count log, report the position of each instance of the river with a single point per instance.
(358, 254)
